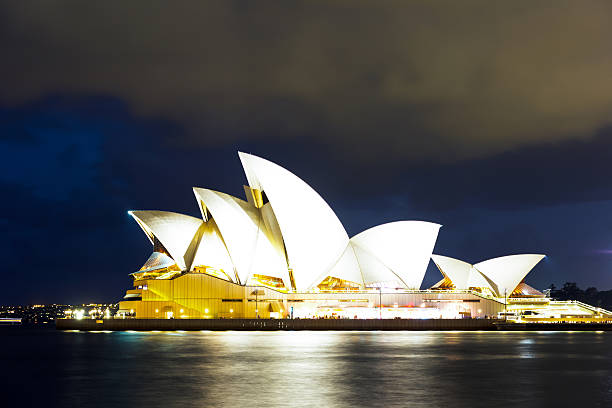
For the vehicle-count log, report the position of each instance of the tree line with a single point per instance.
(592, 296)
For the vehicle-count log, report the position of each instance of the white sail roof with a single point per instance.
(212, 252)
(244, 232)
(373, 271)
(462, 274)
(457, 271)
(273, 231)
(347, 268)
(175, 231)
(478, 280)
(403, 246)
(288, 231)
(157, 260)
(508, 271)
(313, 236)
(360, 266)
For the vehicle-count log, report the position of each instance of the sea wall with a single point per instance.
(557, 326)
(276, 324)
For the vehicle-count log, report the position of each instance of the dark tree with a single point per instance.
(571, 291)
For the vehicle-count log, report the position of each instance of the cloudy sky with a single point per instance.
(492, 119)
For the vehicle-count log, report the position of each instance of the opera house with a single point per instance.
(283, 253)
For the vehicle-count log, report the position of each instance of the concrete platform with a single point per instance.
(275, 324)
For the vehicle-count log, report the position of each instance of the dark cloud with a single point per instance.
(88, 160)
(491, 119)
(403, 80)
(542, 174)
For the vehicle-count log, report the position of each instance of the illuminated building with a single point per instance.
(283, 252)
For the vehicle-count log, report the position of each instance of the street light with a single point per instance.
(257, 292)
(505, 305)
(380, 302)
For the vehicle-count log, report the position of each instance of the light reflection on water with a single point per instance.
(318, 369)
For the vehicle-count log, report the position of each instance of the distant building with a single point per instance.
(284, 253)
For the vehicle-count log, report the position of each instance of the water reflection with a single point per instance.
(322, 369)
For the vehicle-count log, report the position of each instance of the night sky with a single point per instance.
(492, 119)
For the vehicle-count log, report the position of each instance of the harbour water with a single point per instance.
(45, 367)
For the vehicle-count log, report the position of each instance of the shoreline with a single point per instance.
(321, 324)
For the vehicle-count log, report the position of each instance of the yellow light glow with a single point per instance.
(205, 310)
(182, 310)
(156, 310)
(231, 310)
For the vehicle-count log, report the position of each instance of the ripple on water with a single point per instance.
(318, 369)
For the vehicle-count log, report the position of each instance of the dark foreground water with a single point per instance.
(293, 369)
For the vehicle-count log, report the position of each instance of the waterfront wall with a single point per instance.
(276, 324)
(555, 326)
